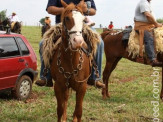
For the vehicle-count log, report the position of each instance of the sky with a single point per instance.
(121, 12)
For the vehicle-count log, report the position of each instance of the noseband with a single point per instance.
(68, 33)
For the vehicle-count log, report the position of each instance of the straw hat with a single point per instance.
(13, 13)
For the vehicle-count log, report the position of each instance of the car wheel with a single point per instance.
(23, 88)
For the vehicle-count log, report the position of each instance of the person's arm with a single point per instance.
(86, 11)
(54, 10)
(151, 19)
(92, 12)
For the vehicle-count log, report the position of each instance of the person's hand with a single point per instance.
(158, 25)
(83, 6)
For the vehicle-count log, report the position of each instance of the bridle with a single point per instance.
(68, 32)
(75, 71)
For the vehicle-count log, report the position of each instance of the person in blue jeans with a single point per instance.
(54, 7)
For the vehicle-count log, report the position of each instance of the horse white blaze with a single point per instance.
(77, 38)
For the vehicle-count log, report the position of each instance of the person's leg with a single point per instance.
(47, 79)
(149, 48)
(94, 80)
(149, 45)
(98, 59)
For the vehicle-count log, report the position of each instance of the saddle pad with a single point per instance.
(133, 43)
(49, 46)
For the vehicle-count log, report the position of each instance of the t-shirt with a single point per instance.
(14, 18)
(47, 21)
(110, 26)
(143, 6)
(57, 3)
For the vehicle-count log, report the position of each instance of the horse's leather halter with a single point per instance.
(75, 72)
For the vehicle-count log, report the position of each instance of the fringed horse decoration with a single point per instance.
(115, 49)
(70, 67)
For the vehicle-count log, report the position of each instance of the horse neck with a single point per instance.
(5, 22)
(65, 41)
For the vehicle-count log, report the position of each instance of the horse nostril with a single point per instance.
(75, 40)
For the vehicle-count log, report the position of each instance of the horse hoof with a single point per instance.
(161, 98)
(104, 97)
(103, 91)
(108, 95)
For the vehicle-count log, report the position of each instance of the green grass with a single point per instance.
(130, 87)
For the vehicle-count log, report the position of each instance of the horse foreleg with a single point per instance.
(110, 66)
(65, 105)
(62, 97)
(106, 75)
(161, 94)
(79, 103)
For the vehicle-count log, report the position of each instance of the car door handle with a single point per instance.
(21, 60)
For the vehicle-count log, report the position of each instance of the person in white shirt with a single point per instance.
(13, 19)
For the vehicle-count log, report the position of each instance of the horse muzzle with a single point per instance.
(77, 42)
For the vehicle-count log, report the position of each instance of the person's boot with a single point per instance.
(49, 83)
(41, 82)
(97, 84)
(156, 63)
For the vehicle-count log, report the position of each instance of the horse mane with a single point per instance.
(69, 9)
(51, 36)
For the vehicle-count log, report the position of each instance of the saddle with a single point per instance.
(126, 33)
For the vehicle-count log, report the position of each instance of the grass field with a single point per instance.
(131, 88)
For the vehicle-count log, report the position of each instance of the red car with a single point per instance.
(18, 65)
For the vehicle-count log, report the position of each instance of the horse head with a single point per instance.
(72, 20)
(6, 22)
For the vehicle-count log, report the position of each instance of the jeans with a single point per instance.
(98, 60)
(149, 45)
(48, 76)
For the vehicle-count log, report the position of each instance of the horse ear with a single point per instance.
(63, 4)
(81, 4)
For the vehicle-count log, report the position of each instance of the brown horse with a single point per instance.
(115, 49)
(15, 29)
(70, 67)
(44, 29)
